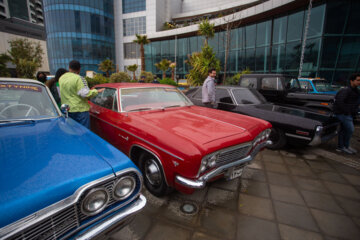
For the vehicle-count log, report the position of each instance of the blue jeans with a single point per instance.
(346, 130)
(81, 117)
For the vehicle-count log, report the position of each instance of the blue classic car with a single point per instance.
(58, 179)
(317, 85)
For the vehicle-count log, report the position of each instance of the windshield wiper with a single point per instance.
(140, 109)
(170, 106)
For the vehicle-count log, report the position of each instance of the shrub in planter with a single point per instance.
(120, 77)
(168, 81)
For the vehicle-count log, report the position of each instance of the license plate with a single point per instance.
(235, 173)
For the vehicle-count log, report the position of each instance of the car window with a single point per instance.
(223, 96)
(271, 83)
(106, 99)
(248, 82)
(248, 96)
(306, 85)
(292, 84)
(198, 94)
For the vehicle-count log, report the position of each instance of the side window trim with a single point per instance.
(229, 93)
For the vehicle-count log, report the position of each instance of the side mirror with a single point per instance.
(65, 109)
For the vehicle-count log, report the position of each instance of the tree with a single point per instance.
(107, 66)
(4, 72)
(26, 56)
(163, 65)
(120, 77)
(172, 66)
(207, 30)
(200, 63)
(142, 40)
(132, 68)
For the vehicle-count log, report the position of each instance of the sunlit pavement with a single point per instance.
(295, 194)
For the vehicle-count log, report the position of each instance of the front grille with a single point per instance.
(71, 218)
(330, 129)
(233, 154)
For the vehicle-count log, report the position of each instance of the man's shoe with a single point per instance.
(347, 150)
(352, 149)
(338, 149)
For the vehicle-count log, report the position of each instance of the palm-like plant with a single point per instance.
(107, 66)
(172, 66)
(163, 65)
(142, 40)
(132, 68)
(206, 29)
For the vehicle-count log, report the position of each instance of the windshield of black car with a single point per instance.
(323, 86)
(20, 100)
(292, 84)
(141, 99)
(248, 96)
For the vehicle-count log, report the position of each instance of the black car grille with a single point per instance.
(70, 219)
(233, 154)
(330, 129)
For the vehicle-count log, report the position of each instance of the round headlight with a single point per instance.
(212, 160)
(124, 187)
(95, 201)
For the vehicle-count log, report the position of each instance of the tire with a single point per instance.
(154, 178)
(278, 138)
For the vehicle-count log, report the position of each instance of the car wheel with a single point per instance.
(278, 138)
(154, 178)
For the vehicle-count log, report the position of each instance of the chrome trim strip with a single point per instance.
(162, 167)
(296, 136)
(46, 212)
(201, 182)
(114, 220)
(139, 138)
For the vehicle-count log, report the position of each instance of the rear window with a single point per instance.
(271, 83)
(248, 82)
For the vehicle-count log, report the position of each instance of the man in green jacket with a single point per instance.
(74, 91)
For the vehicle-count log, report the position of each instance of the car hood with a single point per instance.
(43, 162)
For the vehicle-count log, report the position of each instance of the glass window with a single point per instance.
(293, 52)
(129, 6)
(316, 21)
(263, 33)
(278, 58)
(306, 85)
(198, 94)
(248, 96)
(250, 36)
(131, 50)
(330, 51)
(271, 83)
(248, 82)
(349, 53)
(105, 99)
(311, 55)
(223, 96)
(336, 12)
(295, 26)
(262, 59)
(354, 19)
(279, 32)
(134, 26)
(250, 59)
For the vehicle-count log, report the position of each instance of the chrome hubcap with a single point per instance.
(152, 172)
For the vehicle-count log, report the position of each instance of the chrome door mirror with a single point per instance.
(65, 109)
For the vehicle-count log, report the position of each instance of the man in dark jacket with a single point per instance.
(345, 109)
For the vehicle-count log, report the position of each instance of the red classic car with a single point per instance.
(175, 143)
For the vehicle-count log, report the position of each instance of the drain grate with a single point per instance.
(189, 208)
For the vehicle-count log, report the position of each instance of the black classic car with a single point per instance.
(285, 89)
(299, 126)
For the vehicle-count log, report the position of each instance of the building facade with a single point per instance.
(265, 36)
(81, 30)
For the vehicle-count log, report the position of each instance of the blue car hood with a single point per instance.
(46, 161)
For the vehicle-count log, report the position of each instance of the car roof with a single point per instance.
(265, 75)
(134, 85)
(21, 80)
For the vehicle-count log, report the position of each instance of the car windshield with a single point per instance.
(140, 99)
(248, 96)
(292, 84)
(323, 86)
(20, 100)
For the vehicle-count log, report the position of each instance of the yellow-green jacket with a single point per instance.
(75, 92)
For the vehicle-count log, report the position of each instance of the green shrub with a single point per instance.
(120, 77)
(168, 81)
(98, 79)
(149, 77)
(234, 80)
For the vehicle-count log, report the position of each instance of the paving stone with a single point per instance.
(331, 177)
(310, 184)
(256, 206)
(302, 171)
(231, 185)
(320, 165)
(273, 159)
(163, 231)
(292, 233)
(135, 230)
(173, 212)
(288, 154)
(357, 221)
(343, 190)
(268, 152)
(274, 167)
(255, 165)
(197, 196)
(286, 194)
(255, 188)
(310, 157)
(153, 204)
(345, 169)
(321, 201)
(223, 198)
(336, 225)
(296, 162)
(203, 236)
(219, 222)
(254, 174)
(351, 207)
(251, 228)
(280, 179)
(353, 179)
(294, 215)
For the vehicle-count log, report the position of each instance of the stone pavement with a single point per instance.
(282, 195)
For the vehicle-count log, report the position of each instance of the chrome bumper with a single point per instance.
(113, 220)
(317, 140)
(201, 182)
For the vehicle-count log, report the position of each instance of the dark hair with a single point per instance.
(211, 70)
(59, 73)
(75, 65)
(354, 76)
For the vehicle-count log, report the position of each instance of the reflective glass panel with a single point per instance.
(330, 51)
(295, 26)
(279, 32)
(250, 36)
(263, 33)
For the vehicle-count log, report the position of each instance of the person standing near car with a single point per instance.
(53, 85)
(208, 89)
(345, 109)
(74, 91)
